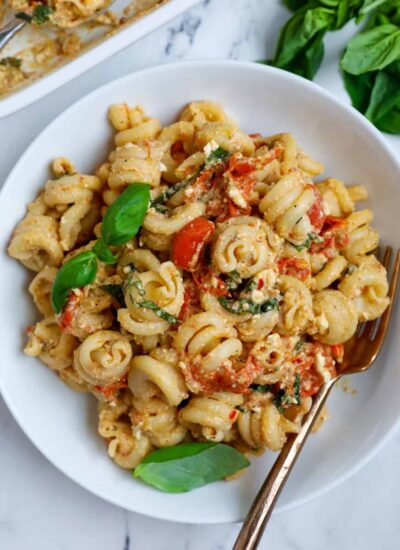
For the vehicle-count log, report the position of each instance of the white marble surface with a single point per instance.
(42, 509)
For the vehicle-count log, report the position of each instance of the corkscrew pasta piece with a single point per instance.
(54, 347)
(337, 197)
(331, 272)
(227, 135)
(272, 352)
(72, 195)
(201, 112)
(207, 340)
(294, 208)
(362, 238)
(152, 298)
(296, 307)
(212, 417)
(158, 223)
(241, 245)
(35, 242)
(157, 421)
(40, 289)
(335, 317)
(73, 379)
(367, 287)
(103, 358)
(115, 426)
(265, 427)
(147, 374)
(132, 163)
(179, 140)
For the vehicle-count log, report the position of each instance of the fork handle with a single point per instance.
(9, 29)
(261, 509)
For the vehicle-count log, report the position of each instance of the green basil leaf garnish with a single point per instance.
(244, 305)
(125, 216)
(40, 15)
(103, 252)
(158, 311)
(262, 388)
(77, 272)
(188, 466)
(11, 62)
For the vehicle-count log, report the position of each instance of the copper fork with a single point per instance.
(360, 353)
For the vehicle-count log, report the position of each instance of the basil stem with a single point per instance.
(244, 305)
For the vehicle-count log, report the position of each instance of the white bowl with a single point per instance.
(62, 424)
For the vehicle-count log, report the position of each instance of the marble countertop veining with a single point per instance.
(39, 507)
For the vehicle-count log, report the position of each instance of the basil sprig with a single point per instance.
(244, 305)
(188, 466)
(121, 222)
(133, 280)
(79, 271)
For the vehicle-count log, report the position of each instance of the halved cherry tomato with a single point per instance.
(331, 223)
(208, 281)
(310, 379)
(295, 267)
(241, 170)
(188, 244)
(231, 210)
(66, 317)
(338, 352)
(316, 212)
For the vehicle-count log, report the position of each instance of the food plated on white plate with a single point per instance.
(199, 278)
(200, 285)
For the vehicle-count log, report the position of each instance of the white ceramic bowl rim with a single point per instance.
(222, 64)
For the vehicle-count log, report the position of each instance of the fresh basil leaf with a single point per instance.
(262, 388)
(77, 272)
(359, 88)
(115, 290)
(372, 50)
(306, 245)
(385, 95)
(159, 311)
(244, 305)
(299, 31)
(294, 5)
(218, 155)
(309, 59)
(125, 216)
(370, 5)
(390, 122)
(40, 15)
(11, 62)
(296, 389)
(188, 466)
(23, 16)
(103, 253)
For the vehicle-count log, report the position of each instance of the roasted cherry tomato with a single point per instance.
(188, 244)
(316, 211)
(295, 267)
(66, 317)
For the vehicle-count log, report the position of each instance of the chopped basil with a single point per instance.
(214, 158)
(262, 388)
(284, 400)
(158, 311)
(251, 285)
(307, 243)
(11, 62)
(299, 344)
(187, 466)
(115, 290)
(233, 280)
(244, 305)
(241, 409)
(136, 282)
(40, 15)
(296, 389)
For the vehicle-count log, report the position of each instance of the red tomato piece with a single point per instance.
(109, 391)
(310, 379)
(332, 223)
(66, 317)
(208, 281)
(190, 298)
(295, 267)
(189, 243)
(316, 211)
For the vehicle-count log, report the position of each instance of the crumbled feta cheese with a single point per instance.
(210, 147)
(236, 196)
(320, 362)
(162, 166)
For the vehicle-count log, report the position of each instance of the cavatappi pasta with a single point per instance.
(229, 309)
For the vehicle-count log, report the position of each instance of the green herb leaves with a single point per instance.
(76, 273)
(125, 216)
(188, 466)
(371, 69)
(371, 62)
(11, 62)
(121, 222)
(244, 305)
(40, 15)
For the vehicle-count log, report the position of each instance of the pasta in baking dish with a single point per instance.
(227, 311)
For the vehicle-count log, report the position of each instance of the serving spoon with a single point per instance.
(359, 354)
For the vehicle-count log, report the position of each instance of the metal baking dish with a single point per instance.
(49, 67)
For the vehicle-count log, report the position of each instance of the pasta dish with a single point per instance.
(200, 285)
